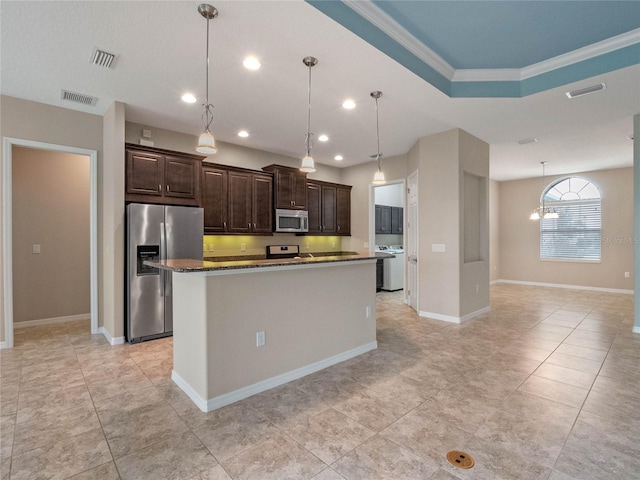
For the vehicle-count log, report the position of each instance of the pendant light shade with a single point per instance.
(308, 165)
(378, 178)
(206, 142)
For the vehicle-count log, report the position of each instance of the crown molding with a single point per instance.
(374, 15)
(377, 17)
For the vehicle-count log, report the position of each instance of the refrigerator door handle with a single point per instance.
(163, 256)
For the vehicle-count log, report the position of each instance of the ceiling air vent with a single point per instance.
(586, 91)
(78, 98)
(102, 58)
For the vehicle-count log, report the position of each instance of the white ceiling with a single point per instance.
(161, 54)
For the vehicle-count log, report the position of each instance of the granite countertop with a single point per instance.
(191, 265)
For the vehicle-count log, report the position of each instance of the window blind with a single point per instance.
(575, 235)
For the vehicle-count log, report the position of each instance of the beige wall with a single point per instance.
(494, 230)
(112, 224)
(360, 177)
(520, 239)
(28, 120)
(51, 209)
(228, 153)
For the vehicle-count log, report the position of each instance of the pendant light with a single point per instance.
(542, 211)
(308, 164)
(378, 178)
(206, 142)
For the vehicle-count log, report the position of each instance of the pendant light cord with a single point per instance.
(308, 136)
(207, 114)
(378, 135)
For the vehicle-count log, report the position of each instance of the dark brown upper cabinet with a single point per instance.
(250, 203)
(289, 187)
(329, 208)
(153, 175)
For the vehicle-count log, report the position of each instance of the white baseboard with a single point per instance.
(269, 383)
(493, 282)
(3, 345)
(636, 330)
(562, 285)
(452, 319)
(110, 339)
(52, 321)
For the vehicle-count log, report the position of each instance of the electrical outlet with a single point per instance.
(35, 249)
(367, 311)
(210, 247)
(204, 247)
(333, 244)
(243, 247)
(626, 274)
(306, 245)
(477, 288)
(260, 338)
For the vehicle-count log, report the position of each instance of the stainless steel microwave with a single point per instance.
(292, 221)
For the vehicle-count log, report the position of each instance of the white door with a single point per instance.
(412, 240)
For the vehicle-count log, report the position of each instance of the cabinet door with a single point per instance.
(314, 205)
(329, 222)
(262, 204)
(385, 219)
(343, 210)
(214, 199)
(396, 220)
(299, 190)
(291, 189)
(240, 202)
(145, 172)
(378, 218)
(181, 178)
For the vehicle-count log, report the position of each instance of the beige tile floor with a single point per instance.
(545, 386)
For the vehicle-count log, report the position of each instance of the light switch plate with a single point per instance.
(438, 247)
(35, 249)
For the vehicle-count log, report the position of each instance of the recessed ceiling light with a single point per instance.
(338, 158)
(587, 90)
(349, 104)
(251, 63)
(243, 133)
(323, 138)
(189, 98)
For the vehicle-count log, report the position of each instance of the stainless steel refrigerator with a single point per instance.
(156, 232)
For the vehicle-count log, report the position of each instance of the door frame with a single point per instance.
(7, 224)
(372, 222)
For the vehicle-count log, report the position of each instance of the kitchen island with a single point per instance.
(309, 312)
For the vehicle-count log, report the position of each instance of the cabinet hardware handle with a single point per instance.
(224, 225)
(167, 188)
(338, 227)
(159, 188)
(254, 226)
(249, 225)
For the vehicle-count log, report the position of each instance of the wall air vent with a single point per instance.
(586, 91)
(102, 58)
(525, 141)
(78, 98)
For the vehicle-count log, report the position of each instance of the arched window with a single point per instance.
(575, 234)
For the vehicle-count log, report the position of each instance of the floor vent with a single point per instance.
(460, 459)
(102, 58)
(78, 98)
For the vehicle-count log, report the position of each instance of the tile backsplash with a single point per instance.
(241, 245)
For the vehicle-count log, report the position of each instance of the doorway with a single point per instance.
(7, 215)
(387, 232)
